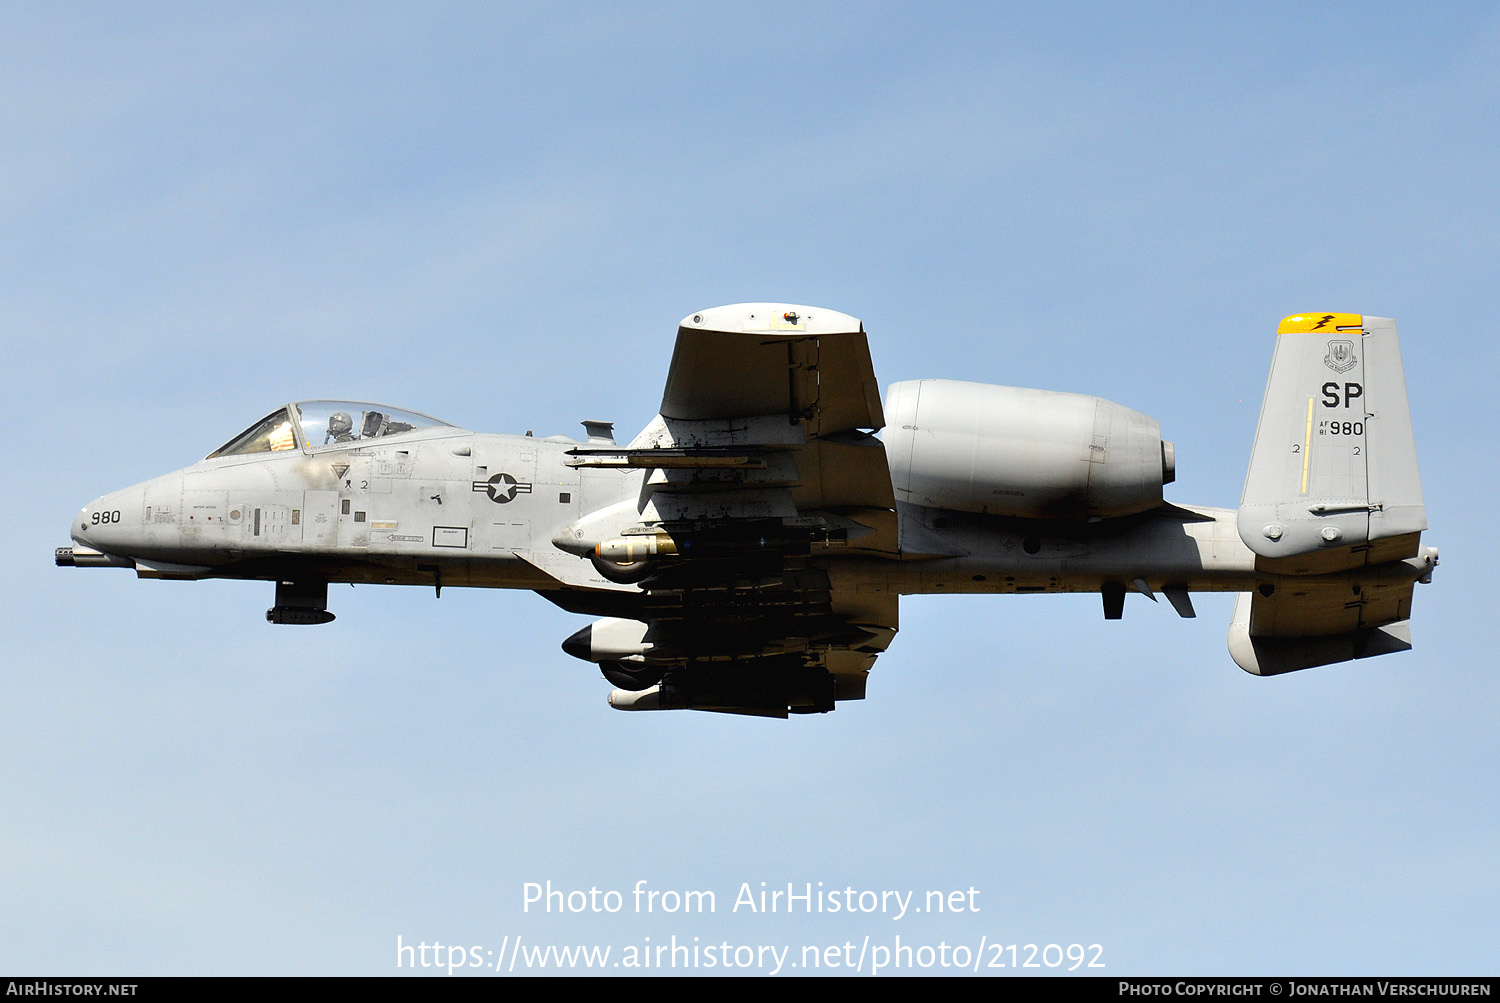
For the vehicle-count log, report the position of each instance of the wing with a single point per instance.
(760, 469)
(808, 365)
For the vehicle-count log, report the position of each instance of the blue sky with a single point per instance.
(497, 215)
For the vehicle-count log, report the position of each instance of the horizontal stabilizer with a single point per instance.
(1272, 656)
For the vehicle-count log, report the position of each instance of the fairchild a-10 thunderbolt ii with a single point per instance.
(746, 552)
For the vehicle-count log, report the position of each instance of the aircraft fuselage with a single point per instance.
(747, 549)
(481, 510)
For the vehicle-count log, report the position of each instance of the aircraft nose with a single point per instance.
(109, 523)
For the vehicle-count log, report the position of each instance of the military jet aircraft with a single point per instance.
(746, 552)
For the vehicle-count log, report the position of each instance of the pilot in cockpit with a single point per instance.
(340, 428)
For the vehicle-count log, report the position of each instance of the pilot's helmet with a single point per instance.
(339, 423)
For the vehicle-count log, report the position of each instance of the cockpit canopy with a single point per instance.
(313, 425)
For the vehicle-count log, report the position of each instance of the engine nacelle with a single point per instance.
(1030, 454)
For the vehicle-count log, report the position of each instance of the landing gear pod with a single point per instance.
(611, 639)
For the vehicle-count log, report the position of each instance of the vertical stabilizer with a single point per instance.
(1333, 481)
